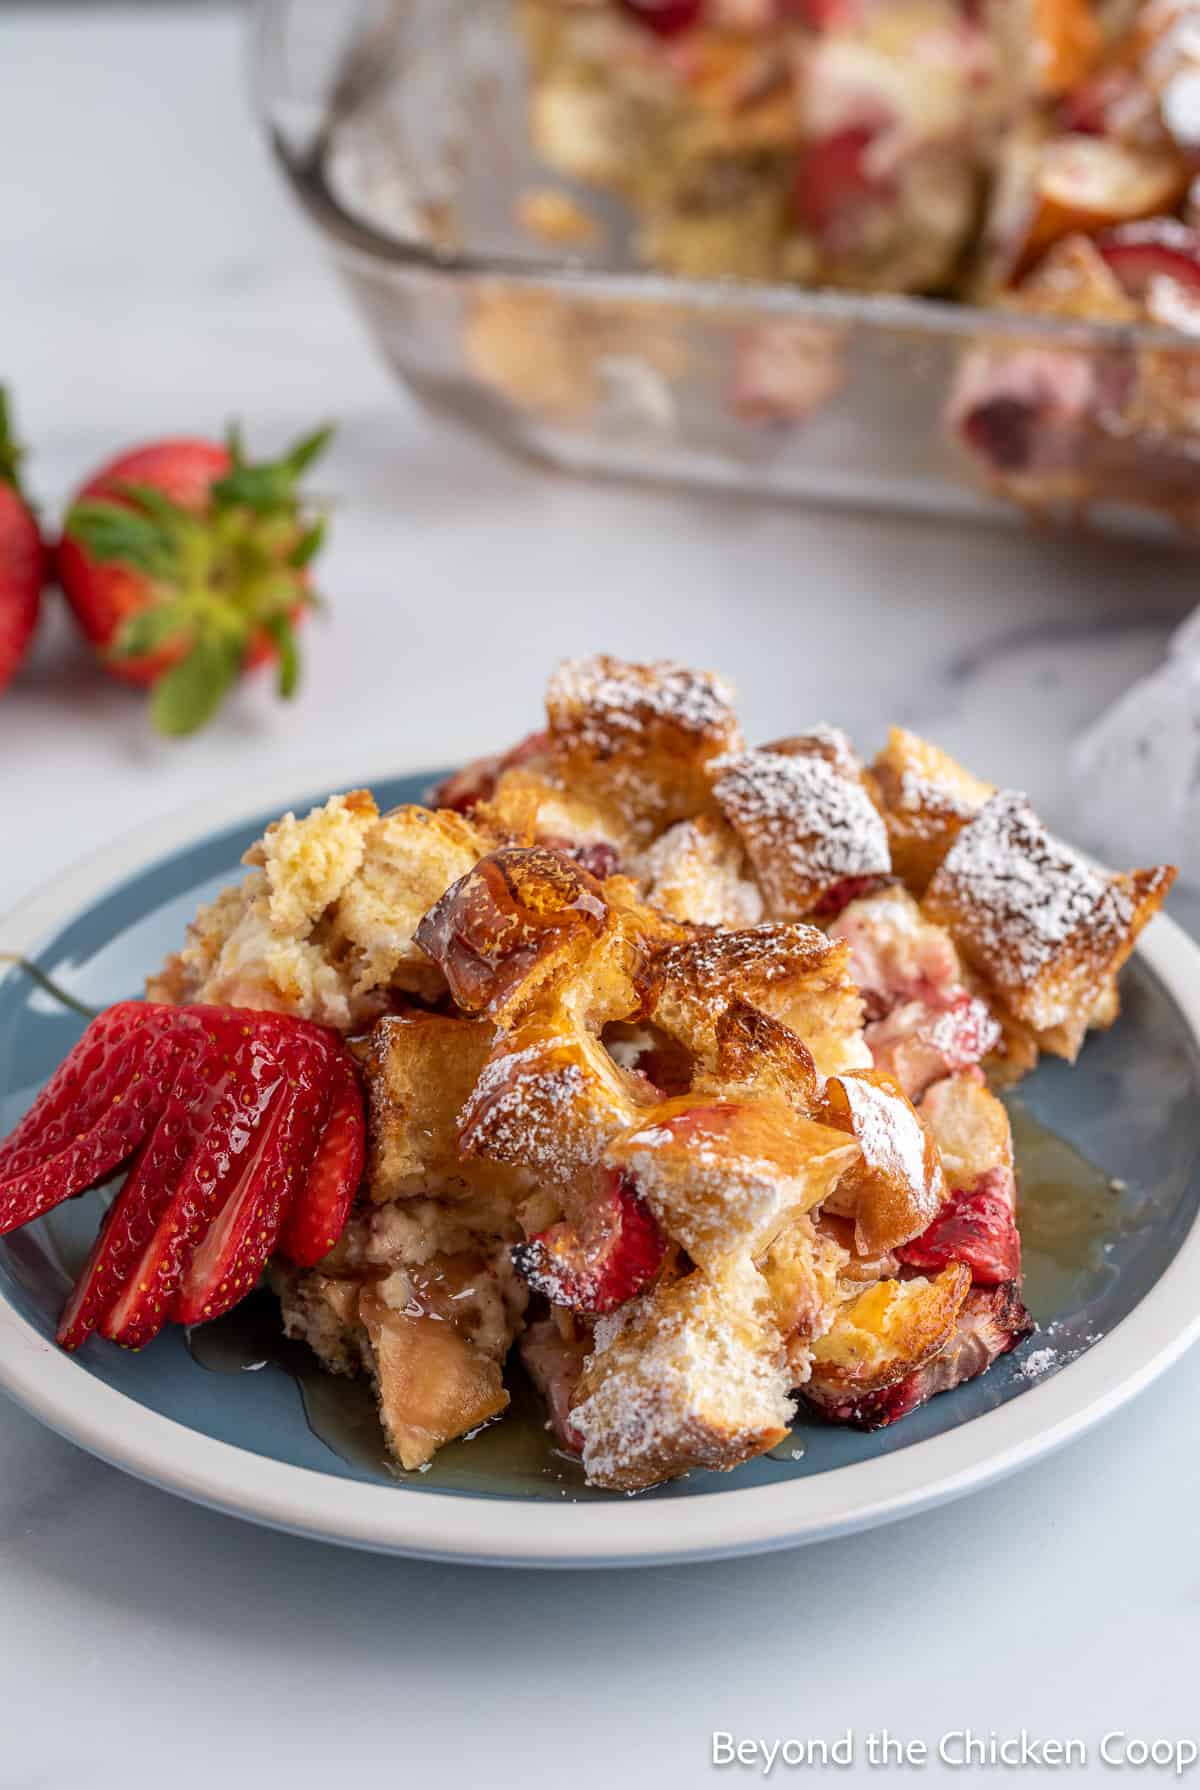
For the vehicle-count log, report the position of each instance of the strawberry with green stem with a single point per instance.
(187, 564)
(23, 556)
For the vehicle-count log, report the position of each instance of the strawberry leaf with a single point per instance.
(305, 452)
(150, 629)
(190, 693)
(269, 487)
(111, 532)
(287, 648)
(309, 545)
(156, 504)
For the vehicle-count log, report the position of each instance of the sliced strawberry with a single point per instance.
(93, 1113)
(617, 1256)
(1158, 248)
(319, 1212)
(24, 560)
(976, 1227)
(841, 894)
(231, 1255)
(667, 17)
(833, 180)
(240, 1092)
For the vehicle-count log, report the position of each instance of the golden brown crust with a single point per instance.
(883, 1334)
(1044, 931)
(419, 1069)
(926, 798)
(807, 826)
(897, 1188)
(639, 739)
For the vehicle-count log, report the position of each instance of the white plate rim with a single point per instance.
(517, 1532)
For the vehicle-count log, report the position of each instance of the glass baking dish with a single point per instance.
(401, 126)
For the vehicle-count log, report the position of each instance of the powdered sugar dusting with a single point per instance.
(691, 1380)
(1018, 894)
(803, 824)
(606, 701)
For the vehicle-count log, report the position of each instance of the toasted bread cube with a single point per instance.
(759, 1055)
(432, 1384)
(531, 805)
(549, 1100)
(1044, 931)
(792, 972)
(723, 1177)
(521, 921)
(886, 1332)
(926, 797)
(692, 1375)
(419, 1070)
(806, 826)
(698, 871)
(991, 1322)
(971, 1129)
(897, 1187)
(639, 738)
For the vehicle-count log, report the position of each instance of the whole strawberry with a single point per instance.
(185, 566)
(23, 557)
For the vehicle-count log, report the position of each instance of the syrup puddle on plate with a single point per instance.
(1068, 1211)
(514, 1455)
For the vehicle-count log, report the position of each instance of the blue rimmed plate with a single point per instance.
(1117, 1295)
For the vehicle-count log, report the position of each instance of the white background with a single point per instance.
(153, 278)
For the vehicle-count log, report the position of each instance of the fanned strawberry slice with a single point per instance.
(232, 1253)
(977, 1227)
(242, 1087)
(318, 1214)
(616, 1257)
(93, 1113)
(230, 1117)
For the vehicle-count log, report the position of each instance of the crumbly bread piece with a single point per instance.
(970, 1128)
(423, 1305)
(698, 871)
(694, 1375)
(1044, 931)
(309, 862)
(803, 1270)
(419, 1069)
(411, 856)
(897, 1187)
(919, 1042)
(926, 798)
(896, 953)
(323, 925)
(885, 1333)
(807, 827)
(791, 971)
(724, 1177)
(640, 738)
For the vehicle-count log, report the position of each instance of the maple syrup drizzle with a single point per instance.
(1068, 1211)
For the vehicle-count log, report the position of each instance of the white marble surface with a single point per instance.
(152, 279)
